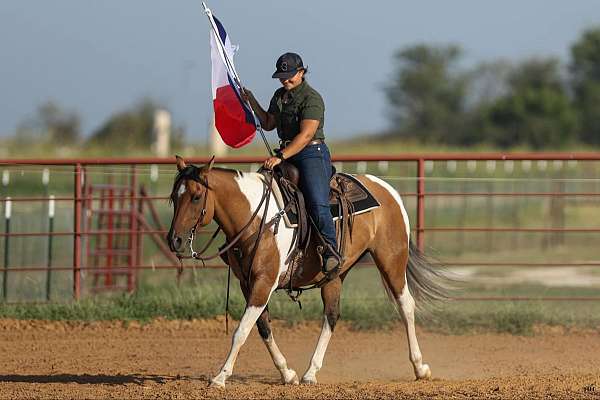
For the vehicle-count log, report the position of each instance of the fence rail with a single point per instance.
(419, 167)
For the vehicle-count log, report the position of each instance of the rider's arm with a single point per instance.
(308, 127)
(267, 120)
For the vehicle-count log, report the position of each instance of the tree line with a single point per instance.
(132, 128)
(538, 102)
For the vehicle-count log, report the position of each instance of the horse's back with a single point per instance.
(392, 212)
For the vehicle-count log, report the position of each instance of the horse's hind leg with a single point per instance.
(330, 294)
(288, 375)
(393, 270)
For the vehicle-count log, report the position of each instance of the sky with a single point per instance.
(101, 57)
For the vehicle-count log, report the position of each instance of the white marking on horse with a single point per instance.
(181, 190)
(316, 362)
(239, 338)
(396, 197)
(407, 305)
(251, 185)
(288, 375)
(407, 302)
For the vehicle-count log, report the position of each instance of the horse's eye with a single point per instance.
(195, 199)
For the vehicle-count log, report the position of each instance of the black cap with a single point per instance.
(288, 65)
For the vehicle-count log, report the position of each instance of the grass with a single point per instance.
(364, 305)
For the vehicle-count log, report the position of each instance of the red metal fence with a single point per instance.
(82, 199)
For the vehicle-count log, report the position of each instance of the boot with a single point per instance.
(331, 267)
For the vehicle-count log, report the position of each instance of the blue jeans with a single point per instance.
(314, 164)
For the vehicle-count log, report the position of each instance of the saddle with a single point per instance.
(347, 197)
(346, 192)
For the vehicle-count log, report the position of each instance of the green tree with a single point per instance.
(50, 124)
(426, 94)
(585, 70)
(128, 129)
(62, 127)
(536, 111)
(486, 83)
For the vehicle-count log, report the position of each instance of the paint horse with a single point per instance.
(234, 200)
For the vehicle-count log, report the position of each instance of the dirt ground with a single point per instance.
(174, 359)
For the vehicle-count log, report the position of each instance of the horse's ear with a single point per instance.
(180, 163)
(210, 164)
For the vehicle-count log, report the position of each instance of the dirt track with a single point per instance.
(173, 359)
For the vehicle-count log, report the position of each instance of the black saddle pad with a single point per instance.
(362, 200)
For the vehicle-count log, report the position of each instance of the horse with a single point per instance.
(234, 200)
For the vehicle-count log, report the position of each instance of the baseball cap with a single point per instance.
(288, 65)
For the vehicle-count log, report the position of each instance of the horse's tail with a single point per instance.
(428, 283)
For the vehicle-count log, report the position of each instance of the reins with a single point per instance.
(296, 252)
(199, 255)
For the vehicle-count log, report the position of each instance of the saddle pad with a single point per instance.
(357, 193)
(362, 200)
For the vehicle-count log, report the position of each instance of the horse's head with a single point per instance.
(193, 202)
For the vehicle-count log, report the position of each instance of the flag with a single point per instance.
(234, 118)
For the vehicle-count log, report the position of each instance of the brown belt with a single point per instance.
(285, 143)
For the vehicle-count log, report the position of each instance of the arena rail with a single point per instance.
(78, 168)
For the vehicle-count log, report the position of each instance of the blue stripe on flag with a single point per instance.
(249, 117)
(221, 29)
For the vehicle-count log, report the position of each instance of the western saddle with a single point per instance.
(346, 192)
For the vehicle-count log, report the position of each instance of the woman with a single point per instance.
(297, 111)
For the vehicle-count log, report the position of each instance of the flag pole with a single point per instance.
(234, 75)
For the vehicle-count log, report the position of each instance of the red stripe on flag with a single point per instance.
(230, 118)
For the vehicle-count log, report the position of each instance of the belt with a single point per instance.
(285, 143)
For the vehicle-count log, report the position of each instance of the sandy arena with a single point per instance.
(173, 359)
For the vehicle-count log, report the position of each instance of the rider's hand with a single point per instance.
(246, 95)
(272, 162)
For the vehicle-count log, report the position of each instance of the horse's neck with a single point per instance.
(233, 190)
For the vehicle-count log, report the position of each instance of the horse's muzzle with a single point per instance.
(175, 242)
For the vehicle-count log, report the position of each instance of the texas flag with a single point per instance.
(234, 119)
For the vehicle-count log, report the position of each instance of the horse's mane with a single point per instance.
(193, 172)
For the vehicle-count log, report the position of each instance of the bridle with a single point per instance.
(203, 211)
(199, 255)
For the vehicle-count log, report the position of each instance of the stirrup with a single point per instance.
(333, 272)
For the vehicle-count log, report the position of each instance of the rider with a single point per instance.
(297, 111)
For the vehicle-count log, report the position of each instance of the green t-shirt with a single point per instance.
(290, 107)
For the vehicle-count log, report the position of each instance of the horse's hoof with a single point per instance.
(309, 380)
(424, 372)
(216, 382)
(290, 377)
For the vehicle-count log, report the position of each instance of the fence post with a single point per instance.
(50, 237)
(77, 232)
(421, 204)
(140, 238)
(134, 235)
(154, 172)
(7, 214)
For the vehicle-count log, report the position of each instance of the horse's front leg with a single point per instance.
(258, 298)
(330, 294)
(288, 375)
